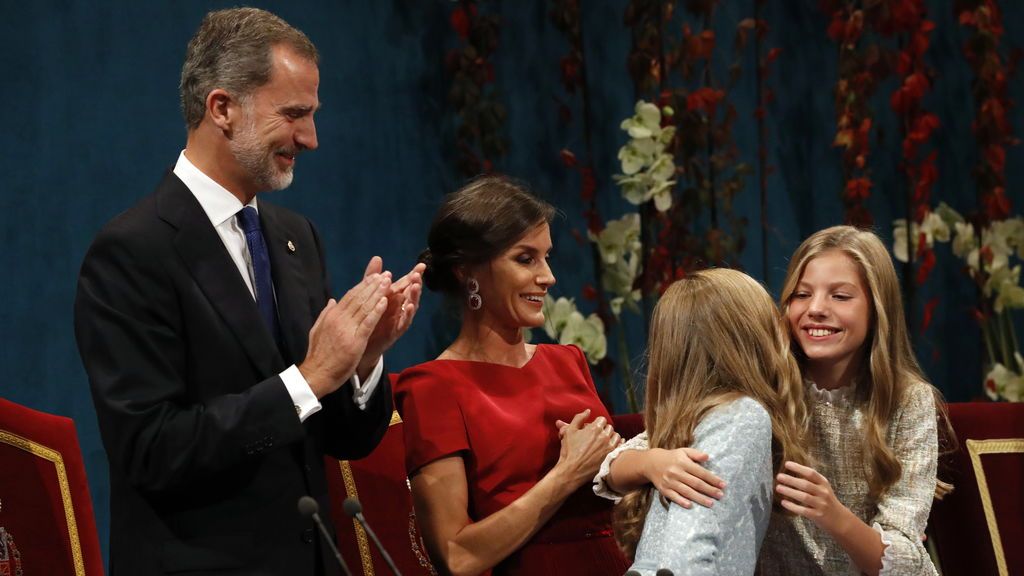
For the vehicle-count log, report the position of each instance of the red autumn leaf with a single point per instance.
(905, 63)
(859, 216)
(664, 99)
(858, 189)
(901, 101)
(978, 315)
(588, 184)
(996, 204)
(773, 54)
(922, 246)
(923, 127)
(927, 263)
(589, 292)
(917, 83)
(986, 255)
(707, 44)
(918, 44)
(460, 21)
(836, 27)
(995, 155)
(929, 311)
(854, 27)
(570, 73)
(568, 158)
(704, 99)
(863, 134)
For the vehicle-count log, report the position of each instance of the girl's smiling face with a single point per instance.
(830, 312)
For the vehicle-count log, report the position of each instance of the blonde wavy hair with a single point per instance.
(890, 367)
(715, 336)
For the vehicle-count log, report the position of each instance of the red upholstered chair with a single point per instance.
(979, 528)
(628, 425)
(380, 484)
(46, 518)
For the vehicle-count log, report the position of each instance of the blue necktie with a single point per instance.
(263, 285)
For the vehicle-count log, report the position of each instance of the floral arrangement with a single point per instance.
(480, 116)
(648, 168)
(619, 246)
(913, 28)
(993, 264)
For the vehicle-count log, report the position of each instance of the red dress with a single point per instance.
(501, 420)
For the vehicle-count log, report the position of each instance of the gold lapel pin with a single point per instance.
(291, 246)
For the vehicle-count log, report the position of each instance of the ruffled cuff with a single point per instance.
(888, 556)
(601, 487)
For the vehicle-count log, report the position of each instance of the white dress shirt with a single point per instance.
(221, 208)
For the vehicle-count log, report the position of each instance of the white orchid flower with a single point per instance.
(556, 314)
(1005, 383)
(588, 334)
(964, 240)
(618, 237)
(935, 228)
(899, 239)
(996, 239)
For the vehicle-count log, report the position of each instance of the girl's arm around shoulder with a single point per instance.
(725, 538)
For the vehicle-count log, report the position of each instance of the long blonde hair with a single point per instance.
(715, 335)
(890, 367)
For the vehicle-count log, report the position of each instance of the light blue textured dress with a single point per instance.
(722, 540)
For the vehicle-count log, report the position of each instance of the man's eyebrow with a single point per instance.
(301, 108)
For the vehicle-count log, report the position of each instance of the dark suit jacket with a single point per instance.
(207, 455)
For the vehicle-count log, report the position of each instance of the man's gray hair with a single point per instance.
(231, 51)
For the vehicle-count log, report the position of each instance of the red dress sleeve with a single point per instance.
(432, 422)
(581, 361)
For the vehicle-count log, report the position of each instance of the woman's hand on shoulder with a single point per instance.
(807, 493)
(584, 446)
(679, 476)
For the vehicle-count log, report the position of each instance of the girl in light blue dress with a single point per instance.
(720, 380)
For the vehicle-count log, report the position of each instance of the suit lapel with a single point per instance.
(293, 309)
(211, 267)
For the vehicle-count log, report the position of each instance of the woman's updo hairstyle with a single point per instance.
(477, 223)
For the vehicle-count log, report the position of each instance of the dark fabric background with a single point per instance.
(91, 121)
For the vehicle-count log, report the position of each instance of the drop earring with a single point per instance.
(473, 300)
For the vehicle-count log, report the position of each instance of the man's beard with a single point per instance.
(257, 160)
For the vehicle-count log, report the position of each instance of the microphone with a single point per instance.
(309, 508)
(354, 509)
(664, 572)
(632, 573)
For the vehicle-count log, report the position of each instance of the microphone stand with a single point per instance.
(309, 508)
(354, 509)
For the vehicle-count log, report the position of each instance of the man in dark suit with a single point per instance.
(221, 369)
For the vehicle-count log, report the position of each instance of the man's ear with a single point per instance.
(222, 109)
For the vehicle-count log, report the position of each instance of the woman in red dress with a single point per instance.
(500, 484)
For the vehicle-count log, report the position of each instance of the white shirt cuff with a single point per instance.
(888, 556)
(306, 403)
(362, 391)
(601, 487)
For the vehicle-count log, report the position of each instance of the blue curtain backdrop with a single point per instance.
(91, 121)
